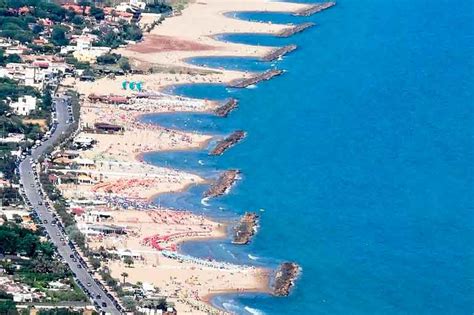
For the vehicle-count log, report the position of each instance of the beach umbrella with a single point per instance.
(139, 86)
(124, 85)
(131, 85)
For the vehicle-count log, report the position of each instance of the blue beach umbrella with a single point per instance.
(124, 85)
(131, 85)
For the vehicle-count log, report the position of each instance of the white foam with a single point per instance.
(204, 201)
(201, 162)
(253, 311)
(252, 257)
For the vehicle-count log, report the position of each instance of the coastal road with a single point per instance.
(33, 193)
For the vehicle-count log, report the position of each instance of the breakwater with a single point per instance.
(246, 228)
(228, 142)
(267, 75)
(279, 52)
(289, 31)
(315, 9)
(222, 184)
(285, 278)
(224, 110)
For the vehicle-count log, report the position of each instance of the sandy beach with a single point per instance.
(117, 170)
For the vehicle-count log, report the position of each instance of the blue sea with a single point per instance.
(359, 159)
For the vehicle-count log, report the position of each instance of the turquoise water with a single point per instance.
(360, 157)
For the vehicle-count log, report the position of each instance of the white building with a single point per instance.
(84, 51)
(24, 106)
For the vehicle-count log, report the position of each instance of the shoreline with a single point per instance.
(213, 48)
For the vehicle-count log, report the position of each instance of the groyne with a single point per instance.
(246, 228)
(279, 52)
(222, 184)
(228, 142)
(224, 110)
(318, 7)
(292, 30)
(267, 75)
(285, 277)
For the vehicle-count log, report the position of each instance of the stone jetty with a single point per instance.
(267, 75)
(222, 184)
(318, 7)
(226, 108)
(279, 52)
(285, 278)
(289, 31)
(246, 228)
(228, 142)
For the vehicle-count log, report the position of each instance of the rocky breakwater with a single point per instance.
(228, 142)
(289, 31)
(278, 52)
(285, 277)
(226, 108)
(246, 228)
(222, 184)
(267, 75)
(318, 7)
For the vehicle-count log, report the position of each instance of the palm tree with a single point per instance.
(124, 276)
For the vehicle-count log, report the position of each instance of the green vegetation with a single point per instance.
(158, 6)
(109, 37)
(58, 36)
(7, 59)
(11, 89)
(16, 24)
(39, 266)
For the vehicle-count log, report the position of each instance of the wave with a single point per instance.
(253, 311)
(204, 201)
(252, 257)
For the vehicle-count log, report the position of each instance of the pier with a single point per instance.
(285, 278)
(221, 185)
(246, 228)
(224, 110)
(267, 75)
(279, 52)
(318, 7)
(292, 30)
(228, 142)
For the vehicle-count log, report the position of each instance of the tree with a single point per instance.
(128, 261)
(47, 99)
(77, 20)
(124, 64)
(58, 36)
(124, 276)
(108, 59)
(95, 262)
(97, 13)
(8, 307)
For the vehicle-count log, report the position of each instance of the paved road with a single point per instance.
(33, 194)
